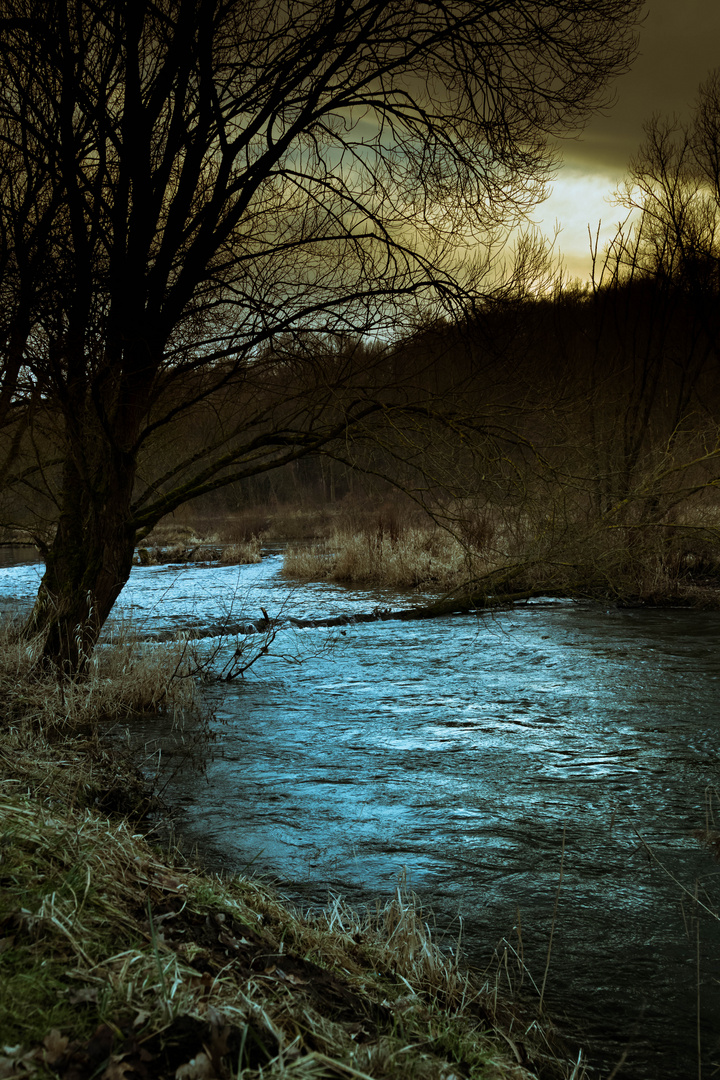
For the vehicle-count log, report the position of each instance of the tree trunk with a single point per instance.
(87, 565)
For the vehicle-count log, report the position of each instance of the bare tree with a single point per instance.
(672, 194)
(656, 298)
(206, 175)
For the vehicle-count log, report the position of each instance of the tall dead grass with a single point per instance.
(242, 552)
(416, 558)
(524, 554)
(122, 677)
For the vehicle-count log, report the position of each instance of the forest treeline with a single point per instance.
(609, 398)
(576, 449)
(568, 441)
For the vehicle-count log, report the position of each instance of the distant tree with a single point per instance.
(28, 212)
(187, 180)
(657, 337)
(672, 193)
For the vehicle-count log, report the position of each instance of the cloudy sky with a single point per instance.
(679, 45)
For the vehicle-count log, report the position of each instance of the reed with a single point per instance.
(418, 558)
(676, 564)
(242, 552)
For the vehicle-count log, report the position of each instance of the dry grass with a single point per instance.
(519, 554)
(196, 549)
(242, 552)
(115, 958)
(417, 558)
(123, 677)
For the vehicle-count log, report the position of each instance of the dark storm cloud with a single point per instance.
(679, 45)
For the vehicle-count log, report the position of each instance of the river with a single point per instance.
(542, 769)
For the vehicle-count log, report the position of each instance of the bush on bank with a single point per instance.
(120, 961)
(493, 556)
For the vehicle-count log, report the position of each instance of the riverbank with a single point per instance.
(501, 566)
(475, 559)
(120, 960)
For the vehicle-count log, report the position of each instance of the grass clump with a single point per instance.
(173, 543)
(123, 677)
(242, 552)
(417, 558)
(114, 956)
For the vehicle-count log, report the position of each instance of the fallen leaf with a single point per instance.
(118, 1069)
(55, 1046)
(296, 980)
(100, 1044)
(17, 1063)
(85, 995)
(141, 1017)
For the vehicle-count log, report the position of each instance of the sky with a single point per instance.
(679, 45)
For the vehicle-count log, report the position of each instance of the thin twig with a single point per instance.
(552, 927)
(672, 877)
(699, 1033)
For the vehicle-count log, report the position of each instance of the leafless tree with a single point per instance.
(657, 292)
(191, 179)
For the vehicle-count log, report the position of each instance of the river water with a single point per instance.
(544, 767)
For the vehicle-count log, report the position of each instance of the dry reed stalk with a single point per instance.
(242, 552)
(417, 558)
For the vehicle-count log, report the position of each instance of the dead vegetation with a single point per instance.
(172, 543)
(117, 962)
(494, 555)
(483, 551)
(416, 559)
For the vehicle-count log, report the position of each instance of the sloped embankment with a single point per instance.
(120, 961)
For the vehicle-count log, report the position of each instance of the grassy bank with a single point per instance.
(468, 552)
(494, 557)
(120, 960)
(478, 552)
